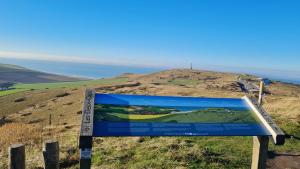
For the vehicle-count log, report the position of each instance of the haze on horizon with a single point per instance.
(262, 35)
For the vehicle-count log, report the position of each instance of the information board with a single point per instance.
(140, 115)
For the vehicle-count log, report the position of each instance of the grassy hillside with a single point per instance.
(18, 74)
(9, 67)
(42, 92)
(39, 86)
(27, 116)
(24, 79)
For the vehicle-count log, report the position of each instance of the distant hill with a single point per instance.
(17, 74)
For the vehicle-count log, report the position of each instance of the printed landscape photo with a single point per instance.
(117, 113)
(141, 115)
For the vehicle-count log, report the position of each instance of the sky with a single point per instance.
(258, 34)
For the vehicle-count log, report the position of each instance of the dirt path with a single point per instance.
(283, 161)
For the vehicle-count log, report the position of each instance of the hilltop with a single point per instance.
(17, 74)
(27, 116)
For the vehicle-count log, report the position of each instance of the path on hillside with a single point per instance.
(247, 86)
(283, 161)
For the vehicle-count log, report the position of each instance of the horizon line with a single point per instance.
(77, 59)
(70, 59)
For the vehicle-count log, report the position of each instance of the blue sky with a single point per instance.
(262, 34)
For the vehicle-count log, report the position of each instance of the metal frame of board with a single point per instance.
(260, 143)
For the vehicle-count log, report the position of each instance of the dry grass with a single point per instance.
(33, 136)
(12, 133)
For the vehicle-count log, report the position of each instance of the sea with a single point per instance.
(82, 70)
(97, 71)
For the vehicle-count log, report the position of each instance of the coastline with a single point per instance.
(95, 71)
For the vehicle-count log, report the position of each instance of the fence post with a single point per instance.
(16, 156)
(260, 143)
(261, 92)
(51, 154)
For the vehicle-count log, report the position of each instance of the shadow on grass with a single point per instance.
(292, 137)
(71, 160)
(68, 163)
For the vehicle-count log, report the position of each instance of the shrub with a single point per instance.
(63, 95)
(20, 99)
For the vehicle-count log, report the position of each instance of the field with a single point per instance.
(133, 117)
(69, 84)
(12, 91)
(26, 118)
(39, 86)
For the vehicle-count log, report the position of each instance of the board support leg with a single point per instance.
(85, 158)
(85, 146)
(260, 152)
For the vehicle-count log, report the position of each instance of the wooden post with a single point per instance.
(86, 131)
(16, 156)
(261, 92)
(260, 152)
(261, 143)
(51, 154)
(85, 145)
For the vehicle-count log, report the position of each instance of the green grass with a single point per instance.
(7, 92)
(39, 86)
(69, 84)
(137, 116)
(173, 152)
(184, 82)
(290, 145)
(184, 152)
(179, 81)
